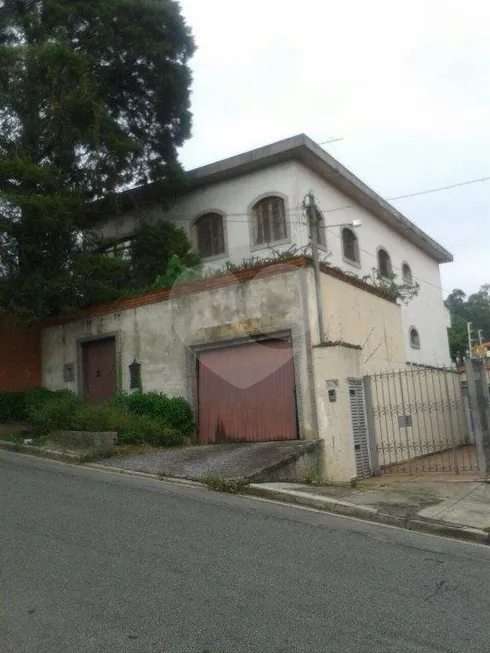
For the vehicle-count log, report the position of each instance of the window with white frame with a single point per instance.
(407, 273)
(384, 264)
(210, 235)
(350, 245)
(269, 221)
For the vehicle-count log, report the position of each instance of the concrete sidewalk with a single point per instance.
(453, 509)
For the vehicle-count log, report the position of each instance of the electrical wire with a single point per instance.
(349, 206)
(300, 211)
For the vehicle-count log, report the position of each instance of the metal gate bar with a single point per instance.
(417, 422)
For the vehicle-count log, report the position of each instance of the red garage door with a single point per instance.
(247, 393)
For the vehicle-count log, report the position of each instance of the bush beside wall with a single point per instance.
(140, 418)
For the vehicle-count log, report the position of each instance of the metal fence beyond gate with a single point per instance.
(419, 422)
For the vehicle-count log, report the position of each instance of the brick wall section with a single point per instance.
(269, 269)
(20, 355)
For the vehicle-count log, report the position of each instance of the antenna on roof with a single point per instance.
(332, 140)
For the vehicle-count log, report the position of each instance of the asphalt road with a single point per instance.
(95, 562)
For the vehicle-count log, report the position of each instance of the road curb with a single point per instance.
(155, 477)
(334, 506)
(39, 452)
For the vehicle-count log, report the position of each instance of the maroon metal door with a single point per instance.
(99, 370)
(247, 393)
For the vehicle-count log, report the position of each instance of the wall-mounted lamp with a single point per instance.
(135, 375)
(355, 224)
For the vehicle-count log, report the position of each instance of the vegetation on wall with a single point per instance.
(390, 288)
(94, 98)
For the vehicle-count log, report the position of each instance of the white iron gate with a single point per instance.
(418, 423)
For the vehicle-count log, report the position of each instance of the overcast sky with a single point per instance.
(405, 85)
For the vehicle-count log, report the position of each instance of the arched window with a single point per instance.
(210, 236)
(414, 338)
(384, 264)
(407, 273)
(350, 245)
(269, 221)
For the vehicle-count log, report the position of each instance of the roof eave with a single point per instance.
(313, 156)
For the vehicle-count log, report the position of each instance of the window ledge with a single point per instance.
(271, 245)
(355, 264)
(211, 259)
(414, 346)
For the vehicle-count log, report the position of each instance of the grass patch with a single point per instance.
(13, 437)
(316, 479)
(218, 483)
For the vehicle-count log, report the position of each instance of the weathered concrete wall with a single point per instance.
(165, 335)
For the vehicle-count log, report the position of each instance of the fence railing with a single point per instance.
(418, 422)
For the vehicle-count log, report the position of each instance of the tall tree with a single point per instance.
(474, 308)
(94, 97)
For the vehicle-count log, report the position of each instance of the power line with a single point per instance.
(415, 194)
(349, 206)
(299, 210)
(436, 190)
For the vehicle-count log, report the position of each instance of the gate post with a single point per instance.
(373, 449)
(479, 400)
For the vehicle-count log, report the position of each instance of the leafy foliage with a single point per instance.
(403, 292)
(94, 97)
(131, 428)
(15, 406)
(174, 411)
(140, 418)
(52, 412)
(159, 245)
(474, 308)
(12, 406)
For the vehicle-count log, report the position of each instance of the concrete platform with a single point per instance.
(251, 462)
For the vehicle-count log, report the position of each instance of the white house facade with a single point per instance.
(244, 206)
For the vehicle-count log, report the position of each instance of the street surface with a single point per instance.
(97, 562)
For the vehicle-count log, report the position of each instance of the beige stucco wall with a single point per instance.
(338, 209)
(358, 317)
(161, 336)
(333, 367)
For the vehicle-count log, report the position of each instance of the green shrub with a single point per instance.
(52, 412)
(14, 406)
(175, 412)
(131, 428)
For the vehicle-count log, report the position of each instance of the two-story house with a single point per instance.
(245, 205)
